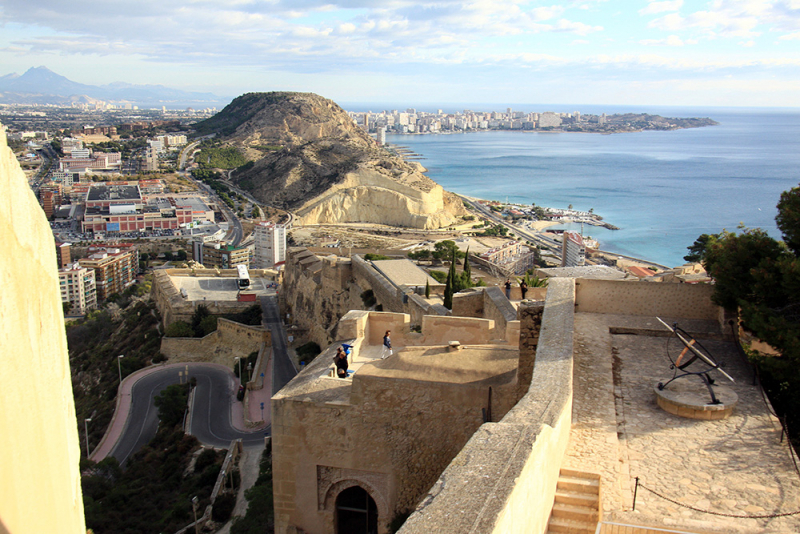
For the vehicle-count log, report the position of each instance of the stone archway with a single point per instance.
(331, 502)
(356, 512)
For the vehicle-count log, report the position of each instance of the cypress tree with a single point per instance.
(451, 283)
(427, 289)
(467, 274)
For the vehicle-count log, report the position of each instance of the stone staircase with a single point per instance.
(577, 504)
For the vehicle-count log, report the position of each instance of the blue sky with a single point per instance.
(672, 52)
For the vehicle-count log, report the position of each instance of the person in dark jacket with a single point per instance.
(387, 345)
(341, 363)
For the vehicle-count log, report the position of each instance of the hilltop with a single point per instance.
(309, 157)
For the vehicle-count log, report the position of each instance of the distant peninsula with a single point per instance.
(412, 121)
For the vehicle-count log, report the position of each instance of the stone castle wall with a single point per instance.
(504, 479)
(319, 291)
(228, 341)
(40, 486)
(390, 435)
(690, 301)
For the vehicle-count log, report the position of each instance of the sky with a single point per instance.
(667, 53)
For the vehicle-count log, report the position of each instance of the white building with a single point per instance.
(549, 119)
(78, 288)
(381, 136)
(573, 250)
(270, 245)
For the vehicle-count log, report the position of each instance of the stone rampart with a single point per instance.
(321, 290)
(504, 479)
(228, 341)
(689, 301)
(40, 486)
(489, 303)
(387, 294)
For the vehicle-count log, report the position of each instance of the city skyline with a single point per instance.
(668, 53)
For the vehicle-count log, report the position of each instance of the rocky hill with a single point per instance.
(309, 157)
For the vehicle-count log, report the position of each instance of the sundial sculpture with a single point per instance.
(693, 360)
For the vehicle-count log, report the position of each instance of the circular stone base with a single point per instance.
(689, 397)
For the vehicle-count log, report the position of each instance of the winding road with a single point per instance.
(212, 410)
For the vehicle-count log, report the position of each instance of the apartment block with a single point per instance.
(78, 287)
(114, 271)
(270, 245)
(220, 255)
(573, 250)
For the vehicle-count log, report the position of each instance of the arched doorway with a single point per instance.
(356, 512)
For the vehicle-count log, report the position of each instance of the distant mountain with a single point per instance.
(40, 85)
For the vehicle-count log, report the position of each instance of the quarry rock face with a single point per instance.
(310, 158)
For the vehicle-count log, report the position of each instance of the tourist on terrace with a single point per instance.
(508, 288)
(387, 345)
(341, 363)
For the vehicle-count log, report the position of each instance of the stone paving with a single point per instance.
(736, 466)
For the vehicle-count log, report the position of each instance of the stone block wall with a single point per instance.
(466, 330)
(389, 296)
(228, 341)
(40, 486)
(689, 301)
(504, 479)
(393, 437)
(531, 317)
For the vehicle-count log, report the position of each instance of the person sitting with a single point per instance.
(341, 363)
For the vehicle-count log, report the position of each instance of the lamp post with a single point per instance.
(194, 509)
(119, 366)
(86, 433)
(249, 370)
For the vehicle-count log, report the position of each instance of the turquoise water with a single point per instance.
(662, 189)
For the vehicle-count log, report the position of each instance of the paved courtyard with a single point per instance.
(219, 289)
(737, 466)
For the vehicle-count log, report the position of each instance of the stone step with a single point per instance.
(583, 514)
(580, 485)
(578, 499)
(565, 472)
(571, 527)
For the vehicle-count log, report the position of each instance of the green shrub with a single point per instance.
(223, 507)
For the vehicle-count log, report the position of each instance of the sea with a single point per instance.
(661, 188)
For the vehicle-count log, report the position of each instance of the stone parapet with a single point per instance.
(688, 301)
(504, 479)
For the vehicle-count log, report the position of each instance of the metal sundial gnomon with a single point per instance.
(692, 360)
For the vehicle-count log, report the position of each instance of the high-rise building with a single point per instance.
(270, 245)
(114, 270)
(381, 136)
(78, 287)
(63, 254)
(573, 250)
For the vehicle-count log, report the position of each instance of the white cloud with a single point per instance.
(661, 7)
(672, 40)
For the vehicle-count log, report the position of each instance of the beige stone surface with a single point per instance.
(40, 487)
(736, 466)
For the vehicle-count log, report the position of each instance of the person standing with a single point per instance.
(387, 345)
(508, 288)
(523, 287)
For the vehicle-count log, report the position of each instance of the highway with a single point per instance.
(211, 410)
